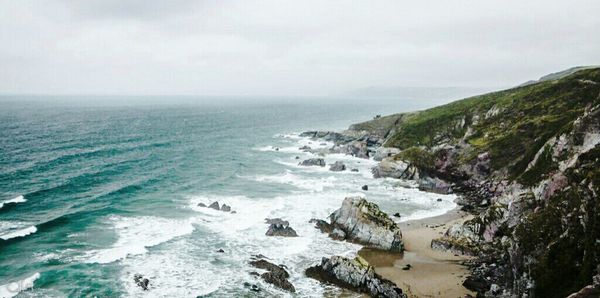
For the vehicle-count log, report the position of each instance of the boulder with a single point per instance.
(225, 208)
(280, 227)
(201, 205)
(313, 162)
(141, 281)
(355, 148)
(363, 222)
(395, 169)
(275, 275)
(385, 152)
(435, 185)
(337, 166)
(365, 187)
(354, 274)
(354, 170)
(214, 205)
(305, 148)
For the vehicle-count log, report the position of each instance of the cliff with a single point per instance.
(526, 161)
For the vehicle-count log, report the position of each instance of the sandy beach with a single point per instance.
(432, 273)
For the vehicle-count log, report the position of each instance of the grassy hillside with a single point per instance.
(511, 125)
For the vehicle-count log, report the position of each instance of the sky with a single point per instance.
(287, 48)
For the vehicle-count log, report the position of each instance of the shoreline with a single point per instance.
(433, 273)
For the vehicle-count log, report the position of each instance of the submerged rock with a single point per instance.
(201, 205)
(313, 162)
(337, 166)
(354, 274)
(141, 281)
(280, 227)
(362, 222)
(275, 275)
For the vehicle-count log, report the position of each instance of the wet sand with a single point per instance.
(432, 273)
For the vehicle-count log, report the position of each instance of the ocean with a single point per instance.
(92, 194)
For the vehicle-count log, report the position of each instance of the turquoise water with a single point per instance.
(108, 192)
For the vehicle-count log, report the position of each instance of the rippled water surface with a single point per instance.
(89, 196)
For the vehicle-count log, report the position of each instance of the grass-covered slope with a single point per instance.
(511, 125)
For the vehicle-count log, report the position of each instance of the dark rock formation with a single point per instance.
(141, 281)
(322, 225)
(355, 275)
(279, 227)
(337, 166)
(225, 208)
(275, 275)
(313, 162)
(201, 205)
(214, 205)
(365, 187)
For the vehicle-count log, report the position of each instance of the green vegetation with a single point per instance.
(512, 125)
(422, 159)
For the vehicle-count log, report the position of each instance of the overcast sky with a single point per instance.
(321, 48)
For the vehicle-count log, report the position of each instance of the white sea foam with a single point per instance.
(15, 233)
(15, 200)
(136, 234)
(14, 288)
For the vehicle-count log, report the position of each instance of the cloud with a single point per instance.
(286, 47)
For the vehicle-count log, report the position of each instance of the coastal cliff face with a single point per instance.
(527, 163)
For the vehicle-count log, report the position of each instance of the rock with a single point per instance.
(141, 281)
(365, 187)
(357, 148)
(397, 214)
(439, 200)
(590, 291)
(354, 274)
(385, 152)
(279, 227)
(220, 250)
(363, 222)
(225, 208)
(459, 239)
(276, 148)
(337, 166)
(395, 169)
(435, 185)
(476, 284)
(354, 170)
(214, 205)
(305, 148)
(233, 212)
(407, 267)
(297, 157)
(252, 287)
(275, 275)
(201, 205)
(322, 225)
(313, 162)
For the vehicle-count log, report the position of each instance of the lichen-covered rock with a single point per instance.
(363, 222)
(354, 274)
(337, 166)
(385, 152)
(390, 168)
(313, 162)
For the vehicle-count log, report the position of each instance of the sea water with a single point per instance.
(91, 195)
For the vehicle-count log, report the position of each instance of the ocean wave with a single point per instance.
(16, 233)
(14, 288)
(136, 234)
(15, 200)
(314, 184)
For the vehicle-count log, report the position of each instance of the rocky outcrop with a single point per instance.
(362, 222)
(358, 149)
(385, 152)
(279, 227)
(214, 205)
(354, 274)
(460, 239)
(322, 225)
(141, 281)
(337, 166)
(275, 274)
(589, 291)
(390, 168)
(313, 162)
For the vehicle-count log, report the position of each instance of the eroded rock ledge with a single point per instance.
(354, 274)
